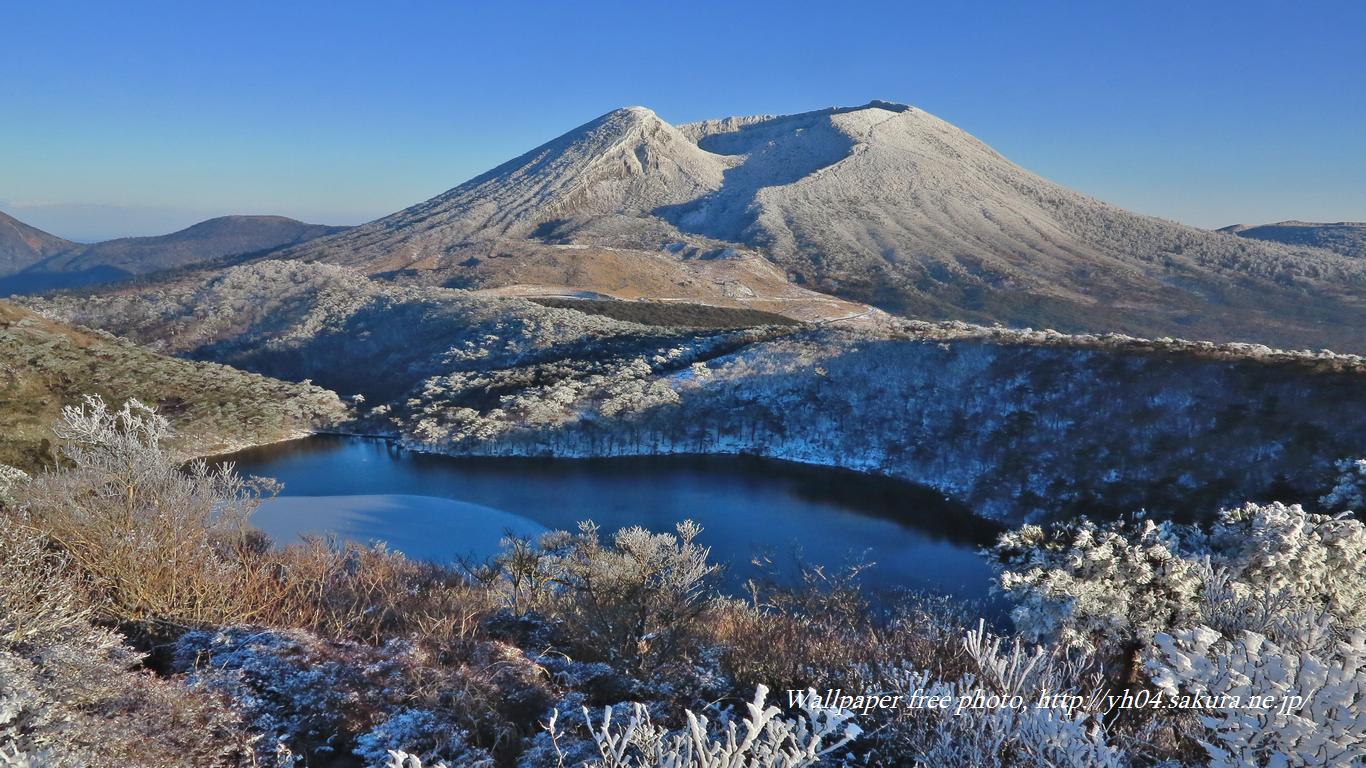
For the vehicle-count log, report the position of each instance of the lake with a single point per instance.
(444, 508)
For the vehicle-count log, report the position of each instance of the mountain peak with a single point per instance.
(890, 106)
(881, 203)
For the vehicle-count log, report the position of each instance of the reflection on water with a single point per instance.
(423, 527)
(442, 508)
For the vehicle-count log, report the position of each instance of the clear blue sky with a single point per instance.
(132, 117)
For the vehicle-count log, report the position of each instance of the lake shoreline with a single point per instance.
(789, 515)
(854, 473)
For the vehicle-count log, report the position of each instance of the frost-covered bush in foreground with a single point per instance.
(1270, 601)
(636, 598)
(764, 739)
(1317, 712)
(1009, 728)
(1085, 584)
(1259, 567)
(160, 544)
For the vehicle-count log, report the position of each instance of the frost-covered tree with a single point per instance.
(1350, 490)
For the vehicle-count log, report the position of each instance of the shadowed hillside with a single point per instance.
(1015, 424)
(73, 265)
(22, 245)
(1347, 238)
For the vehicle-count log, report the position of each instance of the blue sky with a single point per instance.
(136, 118)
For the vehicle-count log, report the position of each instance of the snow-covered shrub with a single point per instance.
(430, 741)
(996, 718)
(10, 479)
(1109, 587)
(1258, 568)
(397, 758)
(1316, 712)
(1314, 563)
(1350, 491)
(764, 739)
(158, 542)
(635, 599)
(1269, 601)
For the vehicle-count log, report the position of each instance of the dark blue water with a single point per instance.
(443, 508)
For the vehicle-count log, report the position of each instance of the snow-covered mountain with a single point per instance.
(882, 203)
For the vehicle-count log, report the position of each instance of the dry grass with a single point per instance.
(825, 634)
(45, 365)
(671, 314)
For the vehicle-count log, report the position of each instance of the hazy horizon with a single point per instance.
(140, 122)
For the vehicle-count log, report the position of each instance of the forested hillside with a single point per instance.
(45, 365)
(1016, 424)
(1013, 424)
(1347, 238)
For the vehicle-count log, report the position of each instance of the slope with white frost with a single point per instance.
(1344, 237)
(883, 204)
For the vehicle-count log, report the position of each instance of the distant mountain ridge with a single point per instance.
(65, 264)
(883, 204)
(1347, 238)
(22, 245)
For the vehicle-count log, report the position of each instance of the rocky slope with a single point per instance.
(883, 204)
(45, 365)
(1347, 238)
(22, 245)
(74, 265)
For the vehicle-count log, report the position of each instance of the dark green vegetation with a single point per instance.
(46, 365)
(669, 313)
